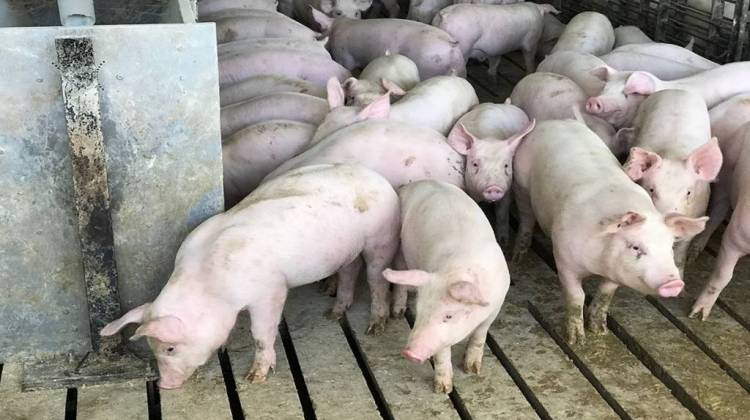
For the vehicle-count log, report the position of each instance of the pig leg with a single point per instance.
(400, 291)
(719, 207)
(347, 276)
(574, 299)
(377, 258)
(475, 346)
(502, 226)
(265, 315)
(528, 48)
(600, 306)
(729, 254)
(443, 371)
(680, 255)
(494, 63)
(328, 286)
(525, 227)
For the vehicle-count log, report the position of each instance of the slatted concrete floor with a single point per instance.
(655, 363)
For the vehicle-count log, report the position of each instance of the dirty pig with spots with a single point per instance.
(600, 222)
(294, 230)
(459, 271)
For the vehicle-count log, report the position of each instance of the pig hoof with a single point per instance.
(575, 334)
(700, 309)
(377, 326)
(599, 328)
(398, 313)
(443, 387)
(256, 376)
(474, 366)
(336, 313)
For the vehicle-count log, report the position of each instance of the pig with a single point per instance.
(577, 67)
(548, 96)
(288, 44)
(435, 103)
(286, 105)
(261, 26)
(206, 7)
(487, 1)
(314, 68)
(234, 13)
(459, 271)
(735, 242)
(625, 35)
(290, 232)
(665, 61)
(674, 157)
(728, 121)
(354, 43)
(392, 72)
(600, 222)
(625, 90)
(405, 153)
(256, 86)
(333, 8)
(425, 10)
(253, 152)
(486, 32)
(498, 121)
(587, 32)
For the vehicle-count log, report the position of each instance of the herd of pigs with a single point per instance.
(611, 152)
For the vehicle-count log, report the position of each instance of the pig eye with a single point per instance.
(170, 349)
(475, 164)
(688, 193)
(447, 318)
(506, 166)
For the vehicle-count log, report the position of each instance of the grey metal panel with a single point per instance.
(160, 119)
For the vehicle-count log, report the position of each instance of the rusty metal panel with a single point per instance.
(160, 123)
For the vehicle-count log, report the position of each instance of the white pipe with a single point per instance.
(76, 12)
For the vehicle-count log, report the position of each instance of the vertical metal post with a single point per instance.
(741, 22)
(717, 14)
(662, 19)
(80, 88)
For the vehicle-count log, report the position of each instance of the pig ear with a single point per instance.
(413, 278)
(466, 292)
(392, 88)
(335, 93)
(706, 160)
(378, 109)
(684, 227)
(603, 73)
(507, 101)
(641, 161)
(322, 19)
(460, 139)
(627, 220)
(168, 329)
(134, 315)
(516, 139)
(364, 4)
(641, 83)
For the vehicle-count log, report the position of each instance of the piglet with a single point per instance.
(295, 230)
(459, 271)
(600, 222)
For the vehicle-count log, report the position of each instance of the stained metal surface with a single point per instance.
(160, 122)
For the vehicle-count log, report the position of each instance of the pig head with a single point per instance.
(623, 92)
(489, 161)
(449, 307)
(676, 186)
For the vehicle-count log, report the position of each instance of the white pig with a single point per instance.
(665, 61)
(548, 96)
(600, 222)
(629, 34)
(625, 90)
(587, 32)
(207, 7)
(253, 152)
(333, 8)
(393, 73)
(435, 103)
(315, 68)
(290, 44)
(354, 43)
(292, 231)
(674, 157)
(577, 67)
(269, 25)
(262, 85)
(459, 271)
(486, 32)
(425, 10)
(735, 242)
(285, 106)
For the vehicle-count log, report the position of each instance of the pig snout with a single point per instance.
(493, 193)
(413, 356)
(671, 288)
(169, 383)
(595, 106)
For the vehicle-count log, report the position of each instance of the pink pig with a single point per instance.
(294, 230)
(600, 222)
(459, 271)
